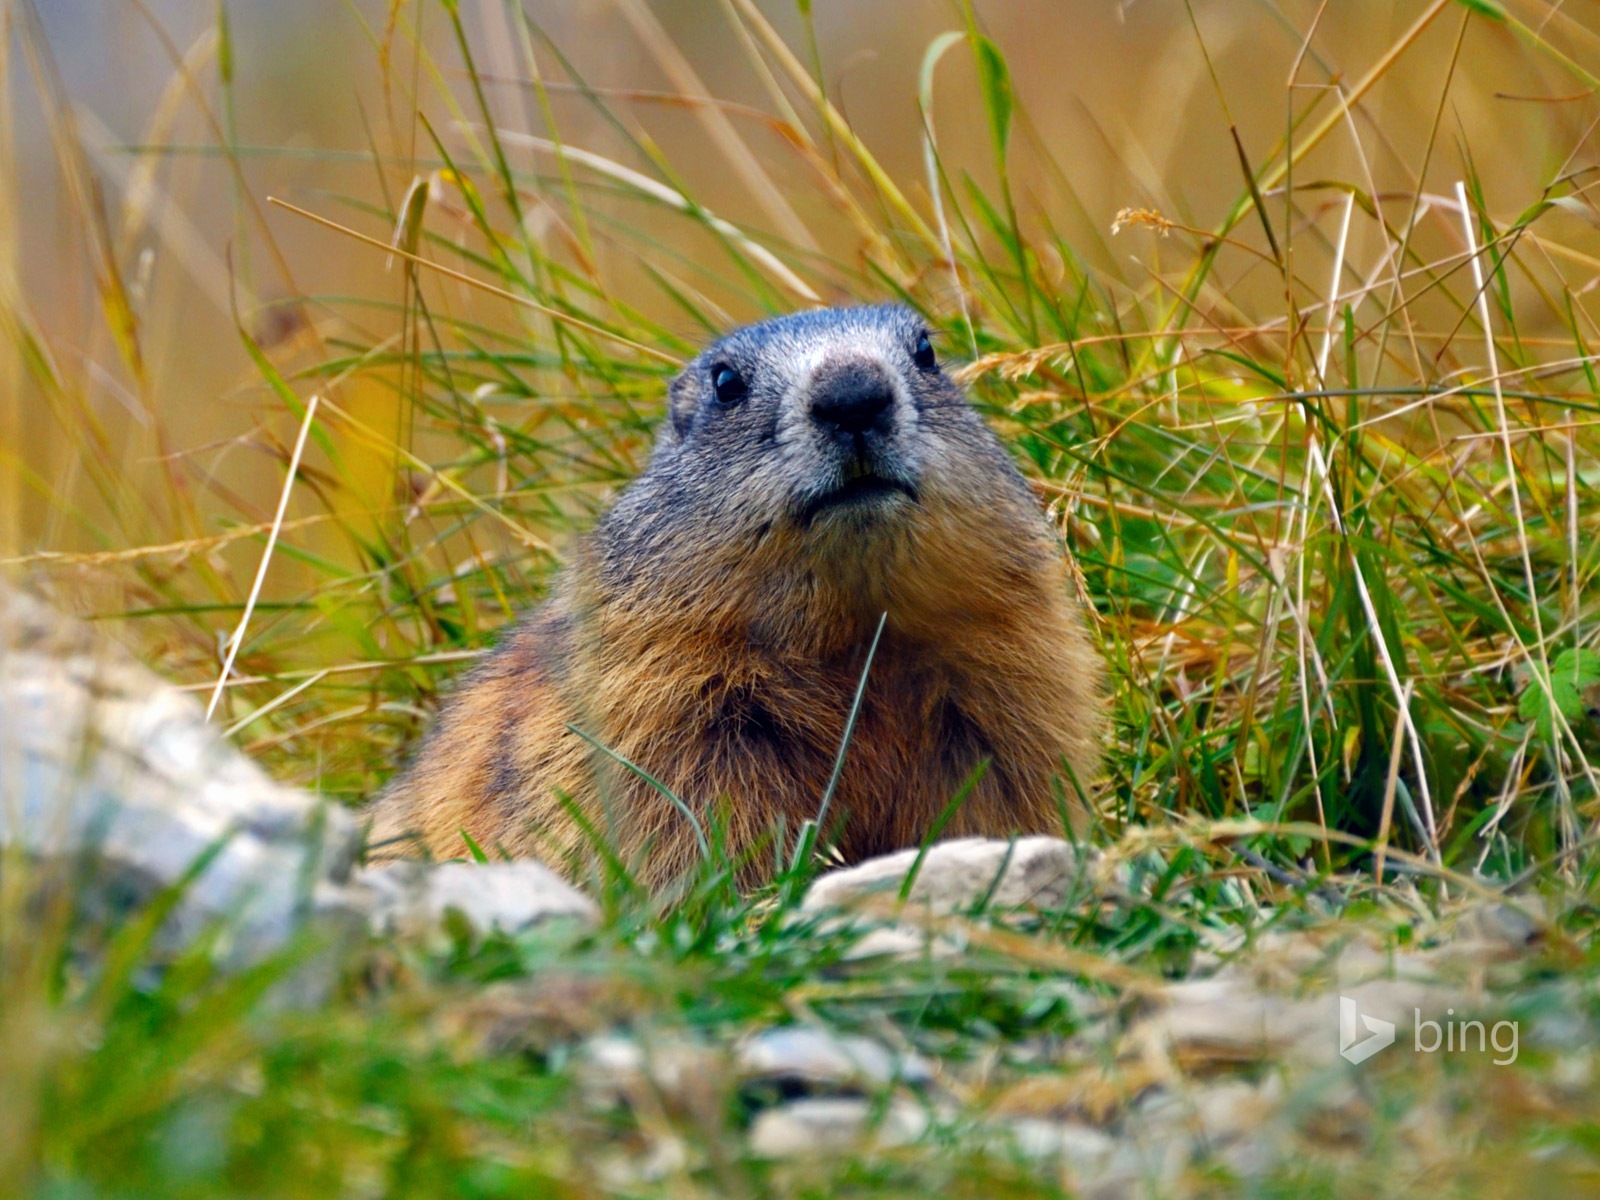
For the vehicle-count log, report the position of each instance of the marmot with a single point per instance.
(813, 472)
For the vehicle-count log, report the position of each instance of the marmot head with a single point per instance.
(823, 442)
(824, 418)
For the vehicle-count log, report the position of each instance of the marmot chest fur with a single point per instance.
(814, 473)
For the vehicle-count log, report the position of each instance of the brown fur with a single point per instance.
(730, 677)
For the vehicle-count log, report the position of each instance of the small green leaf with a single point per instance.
(224, 46)
(1574, 670)
(478, 856)
(995, 79)
(407, 235)
(1486, 8)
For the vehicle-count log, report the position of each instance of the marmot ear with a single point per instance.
(682, 399)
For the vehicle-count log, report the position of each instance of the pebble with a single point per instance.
(812, 1057)
(827, 1124)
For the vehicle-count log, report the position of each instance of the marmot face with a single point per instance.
(833, 424)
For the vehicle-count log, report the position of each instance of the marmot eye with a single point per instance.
(728, 385)
(922, 354)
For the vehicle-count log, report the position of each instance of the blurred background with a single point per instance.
(143, 138)
(630, 177)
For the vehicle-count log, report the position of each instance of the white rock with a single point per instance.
(615, 1070)
(817, 1056)
(662, 1158)
(1082, 1147)
(825, 1124)
(901, 942)
(955, 876)
(101, 762)
(1138, 1168)
(507, 897)
(1233, 1108)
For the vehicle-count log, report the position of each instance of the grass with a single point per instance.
(1326, 467)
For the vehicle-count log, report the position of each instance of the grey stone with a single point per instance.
(612, 1057)
(663, 1158)
(1227, 1020)
(824, 1124)
(616, 1070)
(114, 776)
(1235, 1121)
(1083, 1148)
(808, 1055)
(1139, 1168)
(1514, 924)
(903, 942)
(408, 897)
(1030, 872)
(1232, 1108)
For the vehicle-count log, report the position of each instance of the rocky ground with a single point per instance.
(983, 1001)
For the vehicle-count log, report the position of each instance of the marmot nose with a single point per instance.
(852, 398)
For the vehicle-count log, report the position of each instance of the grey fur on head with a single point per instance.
(833, 420)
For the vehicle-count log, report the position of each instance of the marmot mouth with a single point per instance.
(857, 492)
